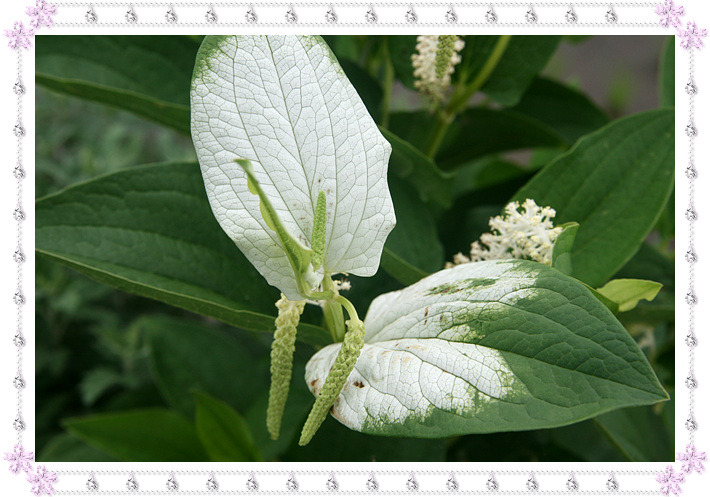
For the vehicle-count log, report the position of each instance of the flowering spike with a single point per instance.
(434, 64)
(524, 232)
(342, 367)
(299, 256)
(318, 237)
(282, 350)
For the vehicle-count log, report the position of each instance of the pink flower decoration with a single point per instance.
(670, 481)
(19, 459)
(41, 14)
(669, 13)
(42, 481)
(692, 459)
(692, 36)
(19, 36)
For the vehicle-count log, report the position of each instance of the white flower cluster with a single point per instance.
(523, 232)
(434, 64)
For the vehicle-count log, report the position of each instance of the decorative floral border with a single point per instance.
(669, 15)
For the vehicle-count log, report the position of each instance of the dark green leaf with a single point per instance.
(615, 184)
(68, 448)
(223, 432)
(367, 87)
(410, 164)
(146, 75)
(650, 264)
(150, 231)
(638, 432)
(477, 132)
(402, 47)
(566, 111)
(413, 249)
(141, 435)
(523, 59)
(226, 366)
(561, 251)
(666, 74)
(358, 447)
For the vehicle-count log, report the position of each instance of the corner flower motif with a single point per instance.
(41, 14)
(670, 481)
(19, 36)
(42, 481)
(19, 459)
(692, 36)
(692, 459)
(669, 13)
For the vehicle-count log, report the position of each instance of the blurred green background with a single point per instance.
(100, 350)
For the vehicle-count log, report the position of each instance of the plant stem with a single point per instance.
(462, 95)
(350, 308)
(388, 82)
(333, 311)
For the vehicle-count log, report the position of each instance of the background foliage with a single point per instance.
(123, 375)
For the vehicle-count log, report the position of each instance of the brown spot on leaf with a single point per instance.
(358, 384)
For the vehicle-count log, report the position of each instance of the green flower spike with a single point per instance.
(319, 228)
(342, 367)
(282, 350)
(444, 51)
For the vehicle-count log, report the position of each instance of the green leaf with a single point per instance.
(561, 251)
(666, 74)
(476, 133)
(97, 382)
(227, 366)
(413, 249)
(627, 292)
(630, 429)
(486, 347)
(150, 231)
(359, 447)
(568, 112)
(68, 448)
(146, 75)
(367, 87)
(523, 59)
(223, 432)
(402, 47)
(649, 263)
(615, 184)
(142, 435)
(410, 164)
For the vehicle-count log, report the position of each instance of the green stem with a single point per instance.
(333, 312)
(388, 82)
(462, 95)
(348, 307)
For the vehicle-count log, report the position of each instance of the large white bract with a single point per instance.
(285, 104)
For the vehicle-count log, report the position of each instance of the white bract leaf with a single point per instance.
(285, 104)
(484, 347)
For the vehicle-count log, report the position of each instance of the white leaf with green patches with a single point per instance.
(284, 103)
(486, 347)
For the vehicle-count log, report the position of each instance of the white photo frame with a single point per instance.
(187, 17)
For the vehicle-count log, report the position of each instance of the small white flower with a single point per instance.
(434, 64)
(524, 232)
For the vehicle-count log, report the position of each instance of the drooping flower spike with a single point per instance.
(282, 350)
